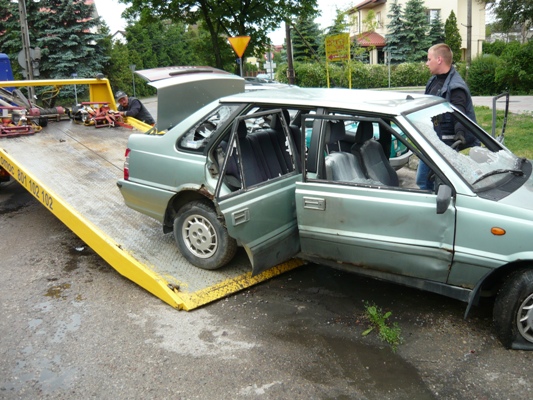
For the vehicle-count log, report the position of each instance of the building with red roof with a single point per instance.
(375, 39)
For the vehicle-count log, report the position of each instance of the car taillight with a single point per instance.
(4, 175)
(126, 165)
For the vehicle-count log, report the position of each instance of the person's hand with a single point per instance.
(460, 136)
(459, 140)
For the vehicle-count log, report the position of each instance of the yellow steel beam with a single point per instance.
(99, 89)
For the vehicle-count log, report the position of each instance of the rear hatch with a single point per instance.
(183, 90)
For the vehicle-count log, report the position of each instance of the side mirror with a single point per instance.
(444, 197)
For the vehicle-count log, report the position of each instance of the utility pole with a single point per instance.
(26, 45)
(290, 66)
(469, 33)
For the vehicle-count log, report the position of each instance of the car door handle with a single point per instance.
(314, 203)
(240, 217)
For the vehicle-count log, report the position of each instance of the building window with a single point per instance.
(432, 15)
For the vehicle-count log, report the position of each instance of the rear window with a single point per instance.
(197, 137)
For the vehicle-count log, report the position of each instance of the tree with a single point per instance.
(339, 24)
(10, 30)
(416, 27)
(395, 38)
(159, 43)
(514, 12)
(254, 18)
(452, 37)
(436, 30)
(306, 39)
(64, 31)
(67, 43)
(370, 22)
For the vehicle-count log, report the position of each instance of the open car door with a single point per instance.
(255, 190)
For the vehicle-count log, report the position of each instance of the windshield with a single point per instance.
(476, 156)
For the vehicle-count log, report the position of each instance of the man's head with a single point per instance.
(121, 98)
(440, 58)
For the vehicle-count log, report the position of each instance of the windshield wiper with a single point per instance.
(516, 172)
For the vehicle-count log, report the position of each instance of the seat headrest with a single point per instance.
(242, 131)
(365, 131)
(335, 131)
(275, 122)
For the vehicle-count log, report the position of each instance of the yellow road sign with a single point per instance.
(338, 47)
(239, 44)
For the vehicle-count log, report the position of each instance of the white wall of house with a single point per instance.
(357, 16)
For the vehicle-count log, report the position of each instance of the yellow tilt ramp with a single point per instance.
(72, 170)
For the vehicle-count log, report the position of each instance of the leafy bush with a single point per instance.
(481, 77)
(310, 74)
(515, 71)
(409, 74)
(497, 47)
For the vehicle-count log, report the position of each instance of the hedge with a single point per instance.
(364, 76)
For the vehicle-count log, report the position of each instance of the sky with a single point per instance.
(110, 11)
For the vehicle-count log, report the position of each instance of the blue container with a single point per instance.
(6, 73)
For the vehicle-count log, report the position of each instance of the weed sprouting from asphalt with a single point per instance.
(378, 320)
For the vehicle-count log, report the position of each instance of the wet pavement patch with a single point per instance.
(57, 292)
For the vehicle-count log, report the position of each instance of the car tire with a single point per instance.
(513, 311)
(201, 237)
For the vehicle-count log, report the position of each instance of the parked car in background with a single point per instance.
(265, 76)
(238, 172)
(254, 79)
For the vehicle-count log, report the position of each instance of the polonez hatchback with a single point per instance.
(238, 171)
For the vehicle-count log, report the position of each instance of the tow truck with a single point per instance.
(72, 169)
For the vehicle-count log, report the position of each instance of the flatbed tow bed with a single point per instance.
(72, 170)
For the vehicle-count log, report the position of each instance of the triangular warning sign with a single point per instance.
(239, 44)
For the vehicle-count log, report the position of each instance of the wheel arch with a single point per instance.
(490, 284)
(179, 200)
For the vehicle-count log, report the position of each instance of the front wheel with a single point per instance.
(513, 311)
(201, 237)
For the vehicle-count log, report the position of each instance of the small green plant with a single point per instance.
(378, 320)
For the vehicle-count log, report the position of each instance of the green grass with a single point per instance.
(518, 131)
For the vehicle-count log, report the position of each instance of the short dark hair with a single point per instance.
(443, 50)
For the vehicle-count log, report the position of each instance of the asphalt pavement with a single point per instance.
(517, 104)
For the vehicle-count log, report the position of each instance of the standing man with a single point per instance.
(132, 107)
(448, 84)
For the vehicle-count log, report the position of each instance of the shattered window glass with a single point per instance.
(197, 137)
(479, 159)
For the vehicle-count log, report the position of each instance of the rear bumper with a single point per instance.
(145, 199)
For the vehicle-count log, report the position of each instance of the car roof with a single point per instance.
(372, 101)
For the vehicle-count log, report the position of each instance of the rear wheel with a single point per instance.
(201, 237)
(513, 311)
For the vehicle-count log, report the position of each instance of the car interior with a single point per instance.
(268, 145)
